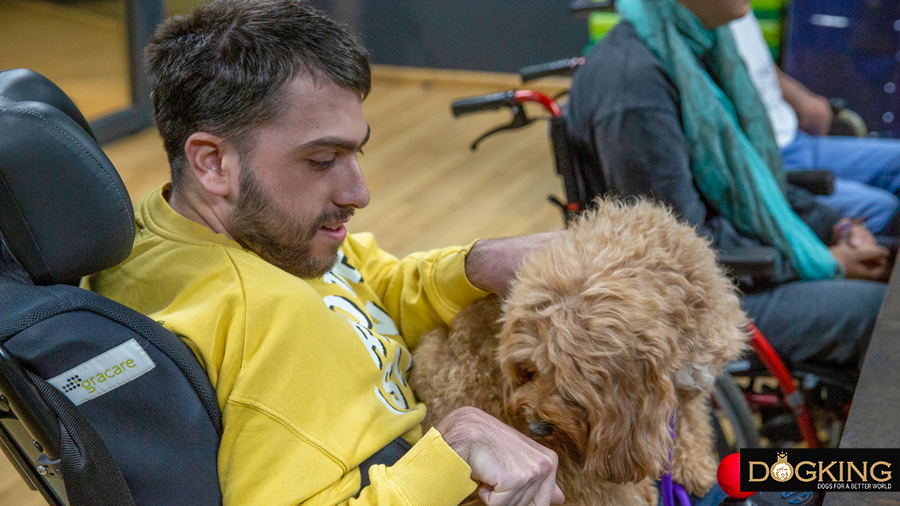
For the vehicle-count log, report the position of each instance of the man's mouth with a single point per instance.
(335, 221)
(333, 232)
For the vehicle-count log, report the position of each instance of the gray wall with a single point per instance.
(493, 35)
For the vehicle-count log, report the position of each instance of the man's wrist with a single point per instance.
(453, 430)
(491, 263)
(477, 257)
(432, 473)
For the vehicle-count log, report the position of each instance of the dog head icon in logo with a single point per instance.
(781, 470)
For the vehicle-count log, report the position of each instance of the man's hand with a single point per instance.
(860, 236)
(513, 470)
(861, 256)
(491, 263)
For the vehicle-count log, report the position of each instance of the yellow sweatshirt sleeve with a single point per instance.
(430, 460)
(421, 291)
(430, 474)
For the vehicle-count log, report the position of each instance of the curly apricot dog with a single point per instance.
(605, 334)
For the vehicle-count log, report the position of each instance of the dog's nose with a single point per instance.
(540, 428)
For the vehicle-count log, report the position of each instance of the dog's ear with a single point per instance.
(630, 438)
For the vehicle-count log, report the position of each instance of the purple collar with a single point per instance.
(668, 489)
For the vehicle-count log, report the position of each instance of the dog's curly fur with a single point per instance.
(604, 334)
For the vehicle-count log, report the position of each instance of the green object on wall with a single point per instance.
(599, 23)
(767, 5)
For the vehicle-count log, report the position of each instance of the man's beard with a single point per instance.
(263, 227)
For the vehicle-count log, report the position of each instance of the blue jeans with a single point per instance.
(867, 174)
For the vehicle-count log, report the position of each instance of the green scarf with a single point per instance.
(735, 160)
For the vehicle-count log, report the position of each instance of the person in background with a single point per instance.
(867, 171)
(666, 109)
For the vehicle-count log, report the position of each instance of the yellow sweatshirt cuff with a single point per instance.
(432, 473)
(450, 281)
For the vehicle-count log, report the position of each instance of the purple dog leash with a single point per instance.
(668, 489)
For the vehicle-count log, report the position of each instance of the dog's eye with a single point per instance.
(540, 428)
(525, 372)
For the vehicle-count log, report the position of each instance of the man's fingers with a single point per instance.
(549, 492)
(510, 496)
(485, 492)
(492, 497)
(871, 252)
(532, 484)
(558, 497)
(861, 241)
(554, 494)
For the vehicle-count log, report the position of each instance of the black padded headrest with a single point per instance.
(24, 85)
(64, 211)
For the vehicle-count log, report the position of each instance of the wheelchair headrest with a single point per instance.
(24, 85)
(64, 211)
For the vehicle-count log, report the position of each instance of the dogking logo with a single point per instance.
(104, 373)
(830, 469)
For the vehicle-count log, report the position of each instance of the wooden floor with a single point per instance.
(428, 190)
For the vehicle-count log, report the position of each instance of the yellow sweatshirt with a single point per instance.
(310, 375)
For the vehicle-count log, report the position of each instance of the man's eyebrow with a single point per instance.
(336, 142)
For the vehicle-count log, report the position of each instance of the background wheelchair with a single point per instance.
(149, 438)
(807, 404)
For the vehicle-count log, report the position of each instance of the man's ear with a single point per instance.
(213, 162)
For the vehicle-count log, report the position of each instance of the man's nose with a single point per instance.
(352, 191)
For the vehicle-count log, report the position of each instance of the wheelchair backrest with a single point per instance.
(113, 408)
(582, 173)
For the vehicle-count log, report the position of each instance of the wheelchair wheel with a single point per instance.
(733, 421)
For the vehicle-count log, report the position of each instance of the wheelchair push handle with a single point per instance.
(493, 101)
(555, 68)
(512, 100)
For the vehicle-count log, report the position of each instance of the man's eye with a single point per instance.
(323, 164)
